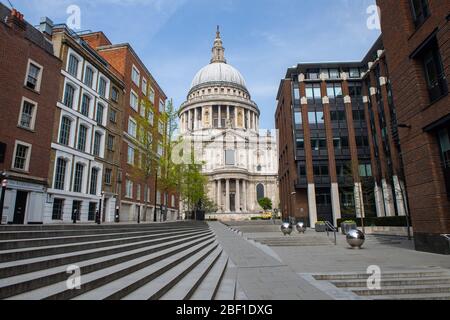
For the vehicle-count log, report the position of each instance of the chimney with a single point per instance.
(46, 26)
(16, 20)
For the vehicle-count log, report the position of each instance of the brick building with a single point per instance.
(29, 91)
(339, 156)
(417, 39)
(84, 171)
(141, 91)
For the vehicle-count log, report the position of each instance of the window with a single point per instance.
(334, 90)
(340, 143)
(94, 178)
(260, 191)
(434, 73)
(144, 86)
(313, 92)
(362, 141)
(57, 212)
(64, 134)
(355, 89)
(33, 80)
(138, 192)
(316, 118)
(97, 143)
(296, 93)
(130, 155)
(420, 11)
(89, 77)
(135, 76)
(313, 74)
(444, 143)
(78, 179)
(173, 201)
(365, 170)
(60, 174)
(112, 115)
(85, 103)
(73, 65)
(354, 73)
(358, 115)
(134, 101)
(151, 117)
(108, 176)
(69, 95)
(321, 170)
(27, 115)
(319, 144)
(110, 142)
(82, 138)
(100, 111)
(115, 94)
(229, 157)
(338, 115)
(152, 95)
(334, 74)
(298, 118)
(162, 106)
(102, 84)
(129, 189)
(161, 127)
(21, 157)
(160, 149)
(132, 128)
(300, 143)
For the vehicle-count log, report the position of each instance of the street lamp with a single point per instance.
(4, 180)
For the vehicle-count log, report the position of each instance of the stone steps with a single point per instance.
(411, 285)
(170, 262)
(293, 241)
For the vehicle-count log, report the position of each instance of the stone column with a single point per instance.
(238, 196)
(235, 117)
(211, 124)
(195, 118)
(247, 122)
(220, 116)
(227, 195)
(399, 196)
(379, 201)
(336, 203)
(219, 194)
(388, 199)
(244, 187)
(189, 120)
(312, 205)
(228, 113)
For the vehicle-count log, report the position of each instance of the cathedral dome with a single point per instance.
(218, 72)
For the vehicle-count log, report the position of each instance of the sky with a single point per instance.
(262, 38)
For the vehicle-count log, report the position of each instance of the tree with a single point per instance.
(266, 204)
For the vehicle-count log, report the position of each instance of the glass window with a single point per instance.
(162, 106)
(100, 111)
(112, 115)
(312, 118)
(89, 77)
(420, 11)
(73, 65)
(130, 156)
(115, 94)
(144, 86)
(85, 103)
(64, 134)
(102, 87)
(108, 176)
(94, 179)
(69, 96)
(33, 76)
(92, 211)
(152, 95)
(82, 138)
(354, 73)
(434, 74)
(334, 74)
(132, 128)
(60, 174)
(134, 101)
(111, 140)
(21, 157)
(300, 143)
(260, 191)
(298, 118)
(26, 118)
(129, 189)
(320, 117)
(78, 179)
(97, 143)
(135, 76)
(296, 93)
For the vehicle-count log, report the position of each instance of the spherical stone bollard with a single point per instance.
(301, 227)
(356, 239)
(286, 228)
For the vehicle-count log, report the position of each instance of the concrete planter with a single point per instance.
(321, 227)
(346, 227)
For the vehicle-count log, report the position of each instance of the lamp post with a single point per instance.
(3, 178)
(99, 212)
(290, 219)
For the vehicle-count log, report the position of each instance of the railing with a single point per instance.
(329, 228)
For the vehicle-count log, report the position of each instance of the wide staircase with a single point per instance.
(172, 261)
(426, 284)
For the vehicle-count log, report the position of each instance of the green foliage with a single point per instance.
(265, 203)
(380, 222)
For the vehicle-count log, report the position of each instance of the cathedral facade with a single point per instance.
(240, 160)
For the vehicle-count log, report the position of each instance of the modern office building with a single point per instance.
(222, 121)
(141, 91)
(29, 88)
(416, 37)
(339, 154)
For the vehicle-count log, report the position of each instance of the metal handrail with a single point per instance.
(331, 227)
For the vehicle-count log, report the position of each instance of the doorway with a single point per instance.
(20, 208)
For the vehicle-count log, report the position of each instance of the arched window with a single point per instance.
(60, 173)
(73, 65)
(100, 111)
(78, 179)
(89, 77)
(69, 95)
(94, 179)
(260, 192)
(259, 168)
(64, 133)
(85, 105)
